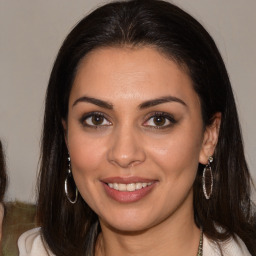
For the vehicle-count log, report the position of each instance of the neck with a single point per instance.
(176, 235)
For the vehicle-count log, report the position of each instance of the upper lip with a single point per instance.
(127, 180)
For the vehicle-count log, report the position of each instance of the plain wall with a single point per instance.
(31, 33)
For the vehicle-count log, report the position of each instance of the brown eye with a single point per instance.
(159, 120)
(97, 119)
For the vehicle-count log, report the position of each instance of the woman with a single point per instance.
(2, 186)
(141, 149)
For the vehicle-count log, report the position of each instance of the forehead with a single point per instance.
(130, 73)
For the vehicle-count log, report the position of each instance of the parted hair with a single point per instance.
(73, 229)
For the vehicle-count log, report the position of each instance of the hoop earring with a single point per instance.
(207, 179)
(69, 175)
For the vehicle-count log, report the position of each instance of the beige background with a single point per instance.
(31, 33)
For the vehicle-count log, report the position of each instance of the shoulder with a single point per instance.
(231, 247)
(31, 243)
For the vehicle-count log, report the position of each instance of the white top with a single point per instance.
(30, 244)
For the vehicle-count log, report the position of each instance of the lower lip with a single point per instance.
(128, 196)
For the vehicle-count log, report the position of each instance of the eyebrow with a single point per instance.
(166, 99)
(100, 103)
(146, 104)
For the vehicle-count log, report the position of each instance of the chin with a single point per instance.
(131, 222)
(128, 228)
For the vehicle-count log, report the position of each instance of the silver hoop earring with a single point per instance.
(207, 179)
(69, 176)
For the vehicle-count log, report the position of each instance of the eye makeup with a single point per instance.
(154, 120)
(159, 120)
(94, 120)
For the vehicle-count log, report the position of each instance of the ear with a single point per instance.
(210, 139)
(65, 128)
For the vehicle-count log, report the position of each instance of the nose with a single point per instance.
(126, 148)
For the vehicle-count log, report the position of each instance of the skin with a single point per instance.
(129, 143)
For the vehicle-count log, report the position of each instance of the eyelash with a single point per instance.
(166, 116)
(91, 115)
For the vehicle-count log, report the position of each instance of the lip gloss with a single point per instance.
(128, 196)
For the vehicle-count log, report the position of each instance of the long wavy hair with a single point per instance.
(73, 229)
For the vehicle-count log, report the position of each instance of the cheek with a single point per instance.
(176, 159)
(86, 153)
(87, 157)
(178, 154)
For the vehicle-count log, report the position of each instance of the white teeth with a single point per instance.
(122, 187)
(128, 187)
(131, 187)
(138, 186)
(115, 186)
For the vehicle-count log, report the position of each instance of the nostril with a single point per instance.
(125, 151)
(126, 163)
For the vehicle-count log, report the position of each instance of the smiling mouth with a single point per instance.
(129, 187)
(128, 190)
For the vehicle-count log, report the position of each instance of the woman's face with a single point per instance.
(135, 137)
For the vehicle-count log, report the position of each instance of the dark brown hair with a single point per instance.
(73, 229)
(3, 177)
